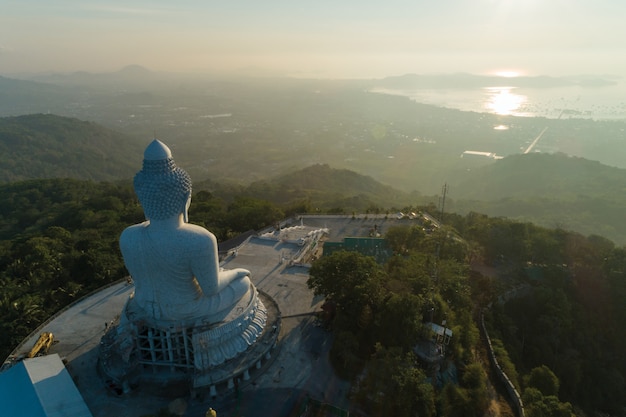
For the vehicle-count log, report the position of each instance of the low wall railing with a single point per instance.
(514, 395)
(39, 328)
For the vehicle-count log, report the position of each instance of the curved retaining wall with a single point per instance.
(516, 399)
(58, 313)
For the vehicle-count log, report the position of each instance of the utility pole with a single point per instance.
(444, 191)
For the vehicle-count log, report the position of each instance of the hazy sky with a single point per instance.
(325, 38)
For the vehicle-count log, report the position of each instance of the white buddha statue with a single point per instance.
(175, 264)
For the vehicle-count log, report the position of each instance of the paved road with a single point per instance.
(532, 145)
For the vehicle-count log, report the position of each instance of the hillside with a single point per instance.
(554, 191)
(49, 146)
(319, 188)
(23, 96)
(541, 175)
(550, 190)
(328, 188)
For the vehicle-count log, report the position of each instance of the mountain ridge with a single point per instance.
(50, 146)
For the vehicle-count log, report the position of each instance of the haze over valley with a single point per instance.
(245, 130)
(295, 123)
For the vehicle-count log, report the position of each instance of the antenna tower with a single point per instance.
(444, 191)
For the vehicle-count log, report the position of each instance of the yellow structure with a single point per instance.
(42, 345)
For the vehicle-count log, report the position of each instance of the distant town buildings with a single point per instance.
(478, 154)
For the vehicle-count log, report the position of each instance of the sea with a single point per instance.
(575, 101)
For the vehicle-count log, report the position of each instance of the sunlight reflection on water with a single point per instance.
(559, 102)
(503, 101)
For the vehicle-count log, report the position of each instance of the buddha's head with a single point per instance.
(163, 189)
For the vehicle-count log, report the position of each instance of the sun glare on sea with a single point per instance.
(502, 100)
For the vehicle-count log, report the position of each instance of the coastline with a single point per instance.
(575, 101)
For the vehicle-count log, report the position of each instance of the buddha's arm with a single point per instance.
(205, 267)
(229, 275)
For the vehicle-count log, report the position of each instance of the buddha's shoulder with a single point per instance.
(193, 230)
(187, 232)
(134, 229)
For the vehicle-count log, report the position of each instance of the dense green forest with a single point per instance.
(381, 312)
(560, 337)
(59, 242)
(568, 315)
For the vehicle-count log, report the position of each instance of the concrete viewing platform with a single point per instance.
(295, 366)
